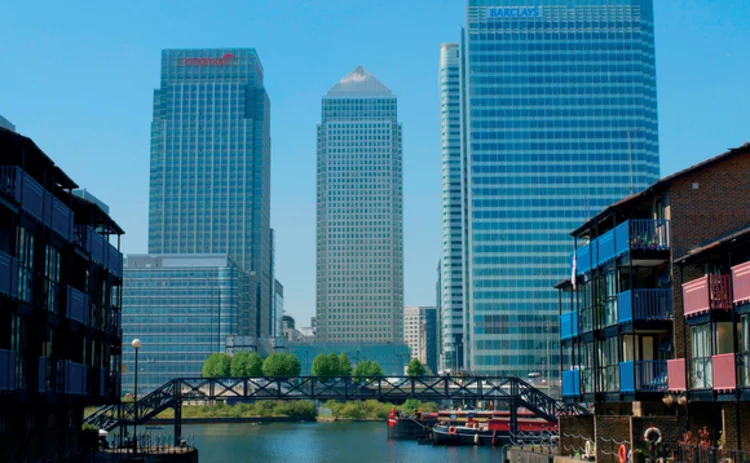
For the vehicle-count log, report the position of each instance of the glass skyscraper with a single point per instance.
(451, 279)
(559, 110)
(211, 164)
(360, 269)
(182, 307)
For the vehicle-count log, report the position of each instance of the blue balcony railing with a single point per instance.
(77, 306)
(114, 261)
(643, 376)
(645, 304)
(34, 199)
(71, 378)
(640, 234)
(571, 383)
(568, 325)
(7, 370)
(100, 250)
(8, 275)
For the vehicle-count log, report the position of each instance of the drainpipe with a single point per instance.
(735, 342)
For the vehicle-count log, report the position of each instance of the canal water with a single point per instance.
(320, 443)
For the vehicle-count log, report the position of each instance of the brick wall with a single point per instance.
(732, 439)
(574, 431)
(611, 428)
(697, 216)
(672, 429)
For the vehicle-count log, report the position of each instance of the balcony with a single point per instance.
(7, 370)
(46, 376)
(571, 383)
(701, 373)
(38, 202)
(99, 249)
(568, 325)
(709, 292)
(724, 372)
(643, 376)
(8, 275)
(644, 305)
(741, 283)
(634, 234)
(77, 306)
(676, 380)
(72, 377)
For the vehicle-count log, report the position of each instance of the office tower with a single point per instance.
(60, 306)
(451, 306)
(210, 163)
(420, 334)
(86, 194)
(360, 215)
(438, 308)
(6, 124)
(182, 307)
(278, 308)
(560, 120)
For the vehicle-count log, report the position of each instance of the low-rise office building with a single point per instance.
(60, 305)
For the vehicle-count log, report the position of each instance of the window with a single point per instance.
(52, 278)
(25, 254)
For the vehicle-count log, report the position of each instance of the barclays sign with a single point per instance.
(514, 12)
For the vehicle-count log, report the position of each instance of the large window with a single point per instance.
(700, 361)
(25, 255)
(52, 278)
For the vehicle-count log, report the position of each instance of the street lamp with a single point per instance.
(136, 343)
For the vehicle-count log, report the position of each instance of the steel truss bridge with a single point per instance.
(512, 391)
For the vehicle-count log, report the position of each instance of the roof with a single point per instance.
(359, 82)
(660, 186)
(34, 155)
(96, 216)
(737, 236)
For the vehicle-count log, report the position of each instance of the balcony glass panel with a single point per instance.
(568, 325)
(77, 306)
(73, 377)
(724, 372)
(676, 375)
(61, 220)
(571, 383)
(8, 275)
(7, 370)
(701, 373)
(33, 198)
(741, 283)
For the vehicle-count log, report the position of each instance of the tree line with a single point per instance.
(332, 365)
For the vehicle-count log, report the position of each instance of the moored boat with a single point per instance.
(466, 435)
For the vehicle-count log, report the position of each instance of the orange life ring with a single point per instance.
(452, 430)
(622, 453)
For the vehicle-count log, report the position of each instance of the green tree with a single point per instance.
(415, 368)
(292, 367)
(345, 366)
(246, 365)
(321, 366)
(217, 366)
(367, 369)
(333, 362)
(273, 365)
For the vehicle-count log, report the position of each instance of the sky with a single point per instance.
(78, 77)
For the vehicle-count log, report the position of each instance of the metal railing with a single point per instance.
(649, 234)
(645, 304)
(701, 454)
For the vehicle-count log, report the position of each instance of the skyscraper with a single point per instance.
(360, 215)
(420, 334)
(559, 104)
(451, 279)
(210, 163)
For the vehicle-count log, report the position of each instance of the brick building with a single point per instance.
(60, 305)
(651, 273)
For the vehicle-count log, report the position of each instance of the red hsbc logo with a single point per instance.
(226, 60)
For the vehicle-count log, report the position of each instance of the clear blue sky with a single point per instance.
(78, 77)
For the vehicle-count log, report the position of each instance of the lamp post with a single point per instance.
(136, 343)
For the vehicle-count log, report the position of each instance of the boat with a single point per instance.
(467, 435)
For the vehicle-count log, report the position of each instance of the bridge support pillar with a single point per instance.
(513, 420)
(177, 423)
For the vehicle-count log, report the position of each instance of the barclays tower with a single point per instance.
(558, 119)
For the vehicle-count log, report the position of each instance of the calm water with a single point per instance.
(320, 443)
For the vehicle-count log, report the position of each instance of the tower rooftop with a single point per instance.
(359, 82)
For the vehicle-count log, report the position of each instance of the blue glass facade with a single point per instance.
(392, 358)
(182, 307)
(210, 164)
(559, 103)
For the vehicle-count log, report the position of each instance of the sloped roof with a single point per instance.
(359, 82)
